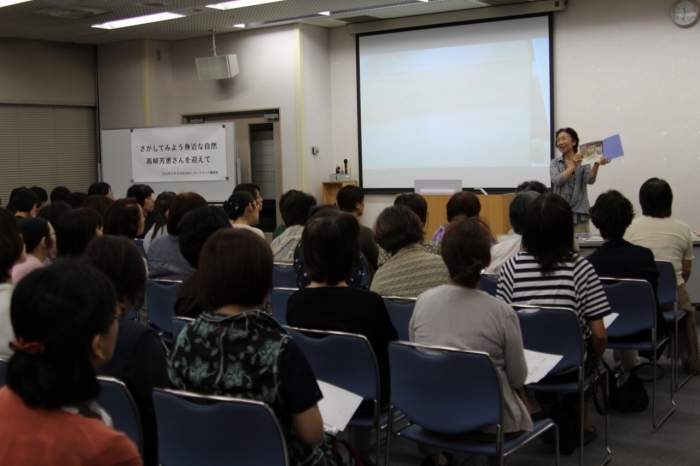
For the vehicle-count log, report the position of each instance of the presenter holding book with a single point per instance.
(570, 178)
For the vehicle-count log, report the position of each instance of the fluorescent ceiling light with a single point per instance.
(239, 25)
(11, 2)
(124, 23)
(240, 4)
(324, 13)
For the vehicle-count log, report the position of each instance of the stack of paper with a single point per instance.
(337, 407)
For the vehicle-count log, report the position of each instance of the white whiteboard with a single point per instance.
(116, 167)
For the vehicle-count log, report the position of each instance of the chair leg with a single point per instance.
(583, 410)
(654, 424)
(556, 445)
(675, 362)
(389, 428)
(607, 422)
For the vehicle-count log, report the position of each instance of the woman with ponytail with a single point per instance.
(459, 315)
(243, 212)
(160, 218)
(65, 327)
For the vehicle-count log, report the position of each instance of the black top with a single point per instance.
(622, 259)
(350, 310)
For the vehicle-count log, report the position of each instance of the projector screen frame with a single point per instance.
(475, 189)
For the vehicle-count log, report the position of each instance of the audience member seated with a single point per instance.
(512, 245)
(24, 203)
(532, 185)
(11, 255)
(139, 357)
(243, 212)
(144, 196)
(75, 229)
(101, 188)
(59, 194)
(98, 202)
(281, 227)
(42, 195)
(253, 190)
(351, 199)
(462, 203)
(459, 315)
(294, 212)
(617, 258)
(549, 273)
(164, 258)
(194, 230)
(53, 211)
(63, 318)
(330, 246)
(160, 218)
(243, 351)
(670, 240)
(40, 245)
(411, 269)
(419, 206)
(124, 218)
(76, 199)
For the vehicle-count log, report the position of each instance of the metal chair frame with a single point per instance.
(129, 399)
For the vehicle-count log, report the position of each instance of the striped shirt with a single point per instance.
(572, 285)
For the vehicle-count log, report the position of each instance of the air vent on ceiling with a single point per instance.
(154, 4)
(357, 19)
(71, 12)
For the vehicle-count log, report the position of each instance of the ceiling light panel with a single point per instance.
(240, 4)
(128, 22)
(11, 2)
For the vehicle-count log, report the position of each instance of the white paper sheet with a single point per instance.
(337, 407)
(609, 319)
(539, 365)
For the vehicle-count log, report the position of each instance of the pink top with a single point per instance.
(19, 271)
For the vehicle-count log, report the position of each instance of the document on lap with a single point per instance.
(337, 407)
(539, 365)
(609, 319)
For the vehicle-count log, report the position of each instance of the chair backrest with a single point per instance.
(177, 324)
(279, 298)
(225, 430)
(342, 359)
(553, 331)
(3, 369)
(667, 288)
(139, 244)
(283, 276)
(117, 401)
(444, 390)
(400, 312)
(161, 297)
(489, 283)
(634, 301)
(364, 270)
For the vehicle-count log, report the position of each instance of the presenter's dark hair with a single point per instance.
(99, 188)
(25, 200)
(466, 249)
(74, 231)
(571, 132)
(295, 208)
(548, 233)
(348, 197)
(235, 268)
(397, 227)
(518, 208)
(11, 245)
(59, 193)
(33, 230)
(195, 229)
(98, 202)
(463, 203)
(121, 261)
(532, 185)
(140, 192)
(41, 194)
(612, 213)
(183, 203)
(330, 246)
(123, 218)
(53, 211)
(656, 198)
(416, 203)
(160, 209)
(63, 307)
(237, 203)
(76, 199)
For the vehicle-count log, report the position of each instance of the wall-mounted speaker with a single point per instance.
(218, 67)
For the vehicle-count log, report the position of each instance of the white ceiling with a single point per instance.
(60, 20)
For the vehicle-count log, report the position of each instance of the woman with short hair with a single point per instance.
(74, 231)
(40, 245)
(63, 317)
(462, 203)
(124, 217)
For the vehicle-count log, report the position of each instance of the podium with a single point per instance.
(494, 209)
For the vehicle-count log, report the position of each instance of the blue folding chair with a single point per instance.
(400, 312)
(177, 324)
(347, 361)
(489, 283)
(558, 331)
(364, 271)
(634, 301)
(117, 401)
(472, 399)
(3, 370)
(251, 432)
(139, 244)
(667, 293)
(161, 296)
(283, 276)
(279, 298)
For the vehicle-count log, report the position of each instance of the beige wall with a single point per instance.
(120, 72)
(46, 73)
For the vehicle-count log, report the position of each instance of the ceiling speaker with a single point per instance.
(218, 67)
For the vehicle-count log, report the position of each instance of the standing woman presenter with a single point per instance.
(570, 178)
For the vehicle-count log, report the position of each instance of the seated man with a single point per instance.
(351, 199)
(294, 210)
